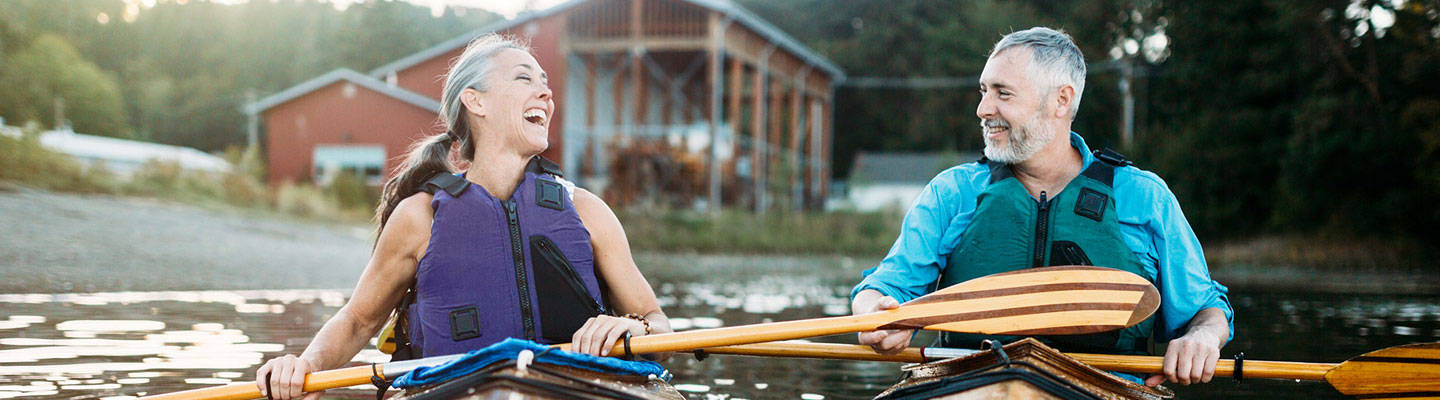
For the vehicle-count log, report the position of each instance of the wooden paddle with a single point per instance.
(1036, 301)
(314, 381)
(1068, 300)
(1410, 371)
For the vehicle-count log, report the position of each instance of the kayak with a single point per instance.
(518, 369)
(1025, 369)
(506, 380)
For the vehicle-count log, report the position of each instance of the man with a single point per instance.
(1040, 198)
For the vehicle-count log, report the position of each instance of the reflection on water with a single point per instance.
(115, 345)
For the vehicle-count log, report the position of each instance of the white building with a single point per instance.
(123, 157)
(880, 181)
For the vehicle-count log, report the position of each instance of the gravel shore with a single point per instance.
(56, 242)
(62, 243)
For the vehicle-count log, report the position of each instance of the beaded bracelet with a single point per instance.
(640, 318)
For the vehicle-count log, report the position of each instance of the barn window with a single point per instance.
(366, 161)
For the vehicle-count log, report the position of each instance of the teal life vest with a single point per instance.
(1011, 230)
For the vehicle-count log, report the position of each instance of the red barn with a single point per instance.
(704, 78)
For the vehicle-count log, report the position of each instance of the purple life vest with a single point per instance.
(521, 268)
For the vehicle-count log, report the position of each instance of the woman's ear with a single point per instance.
(470, 98)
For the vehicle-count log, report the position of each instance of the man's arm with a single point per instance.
(1195, 312)
(914, 262)
(1191, 357)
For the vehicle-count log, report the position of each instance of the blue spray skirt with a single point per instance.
(510, 349)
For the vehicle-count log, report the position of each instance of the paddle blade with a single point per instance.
(1400, 372)
(1069, 300)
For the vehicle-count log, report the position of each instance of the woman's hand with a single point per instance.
(286, 376)
(601, 332)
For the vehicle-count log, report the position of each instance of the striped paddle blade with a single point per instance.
(1401, 372)
(1068, 300)
(1035, 301)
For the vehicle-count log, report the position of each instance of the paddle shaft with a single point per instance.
(1039, 301)
(314, 381)
(1114, 363)
(733, 335)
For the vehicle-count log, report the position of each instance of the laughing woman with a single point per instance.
(506, 249)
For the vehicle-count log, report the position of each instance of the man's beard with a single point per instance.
(1024, 141)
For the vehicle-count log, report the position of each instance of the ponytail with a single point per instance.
(427, 157)
(431, 155)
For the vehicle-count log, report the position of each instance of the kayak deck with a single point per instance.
(505, 380)
(1025, 369)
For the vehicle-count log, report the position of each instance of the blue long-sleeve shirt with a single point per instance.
(1150, 220)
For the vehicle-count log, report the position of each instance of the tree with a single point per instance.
(50, 69)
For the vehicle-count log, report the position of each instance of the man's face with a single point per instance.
(1009, 95)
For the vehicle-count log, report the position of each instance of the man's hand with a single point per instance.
(885, 341)
(1191, 358)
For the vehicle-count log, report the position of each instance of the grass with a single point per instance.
(734, 231)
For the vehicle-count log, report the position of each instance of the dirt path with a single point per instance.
(52, 242)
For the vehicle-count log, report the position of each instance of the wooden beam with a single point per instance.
(749, 46)
(827, 114)
(759, 146)
(618, 92)
(775, 142)
(636, 19)
(737, 84)
(813, 151)
(797, 95)
(717, 62)
(649, 43)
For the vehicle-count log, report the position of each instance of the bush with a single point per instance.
(305, 201)
(738, 231)
(25, 161)
(350, 190)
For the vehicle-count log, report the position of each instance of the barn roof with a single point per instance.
(338, 75)
(726, 7)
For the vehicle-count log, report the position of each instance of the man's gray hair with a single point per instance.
(1055, 60)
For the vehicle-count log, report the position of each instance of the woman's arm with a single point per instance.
(629, 290)
(390, 272)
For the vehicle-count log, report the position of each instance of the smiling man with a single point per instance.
(1040, 197)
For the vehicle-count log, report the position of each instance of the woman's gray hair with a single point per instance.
(1055, 60)
(430, 155)
(469, 71)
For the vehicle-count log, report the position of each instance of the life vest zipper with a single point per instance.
(1042, 225)
(521, 281)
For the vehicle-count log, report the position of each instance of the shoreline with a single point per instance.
(57, 242)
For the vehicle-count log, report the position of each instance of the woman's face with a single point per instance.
(515, 112)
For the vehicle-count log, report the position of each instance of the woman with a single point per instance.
(508, 249)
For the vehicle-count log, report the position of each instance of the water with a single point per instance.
(112, 345)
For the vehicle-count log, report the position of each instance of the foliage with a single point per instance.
(23, 160)
(50, 70)
(1263, 117)
(352, 193)
(184, 68)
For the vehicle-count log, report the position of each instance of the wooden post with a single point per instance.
(737, 84)
(797, 132)
(618, 94)
(637, 72)
(777, 109)
(827, 139)
(717, 46)
(592, 137)
(760, 149)
(812, 185)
